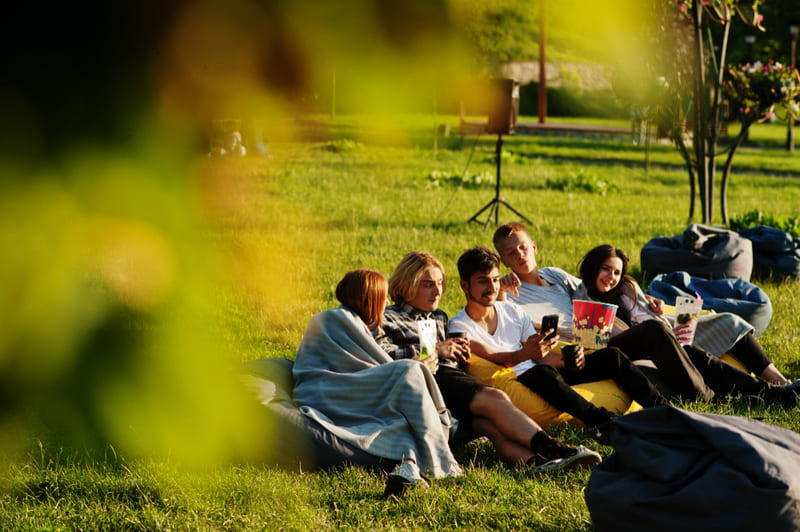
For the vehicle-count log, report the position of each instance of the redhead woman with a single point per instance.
(347, 383)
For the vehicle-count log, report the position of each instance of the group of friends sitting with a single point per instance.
(364, 370)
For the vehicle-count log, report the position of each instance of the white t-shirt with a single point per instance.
(514, 326)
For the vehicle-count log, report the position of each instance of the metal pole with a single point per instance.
(499, 150)
(542, 109)
(793, 30)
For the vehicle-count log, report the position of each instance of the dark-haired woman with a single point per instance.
(603, 271)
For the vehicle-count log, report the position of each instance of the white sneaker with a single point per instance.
(583, 458)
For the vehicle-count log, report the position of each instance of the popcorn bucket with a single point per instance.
(592, 323)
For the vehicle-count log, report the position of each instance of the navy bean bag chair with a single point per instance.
(674, 470)
(701, 250)
(775, 253)
(720, 295)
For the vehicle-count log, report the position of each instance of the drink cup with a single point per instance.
(568, 353)
(686, 309)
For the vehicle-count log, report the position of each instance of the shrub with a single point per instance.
(439, 178)
(581, 181)
(790, 224)
(507, 157)
(342, 146)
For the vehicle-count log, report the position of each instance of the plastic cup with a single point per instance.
(568, 353)
(686, 309)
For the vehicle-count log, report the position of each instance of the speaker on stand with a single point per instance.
(503, 111)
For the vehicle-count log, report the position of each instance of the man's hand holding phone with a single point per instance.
(549, 326)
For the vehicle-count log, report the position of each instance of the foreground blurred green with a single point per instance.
(137, 273)
(122, 253)
(243, 286)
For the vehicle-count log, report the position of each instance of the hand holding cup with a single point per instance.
(572, 355)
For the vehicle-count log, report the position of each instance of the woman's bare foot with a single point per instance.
(773, 376)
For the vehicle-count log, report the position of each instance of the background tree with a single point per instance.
(755, 91)
(689, 49)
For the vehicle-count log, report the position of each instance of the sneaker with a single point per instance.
(793, 385)
(582, 458)
(405, 475)
(788, 395)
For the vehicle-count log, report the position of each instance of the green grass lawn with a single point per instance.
(285, 229)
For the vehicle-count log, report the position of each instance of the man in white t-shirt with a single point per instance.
(501, 331)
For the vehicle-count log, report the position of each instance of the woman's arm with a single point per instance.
(637, 304)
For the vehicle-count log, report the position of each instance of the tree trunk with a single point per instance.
(723, 190)
(678, 138)
(699, 119)
(713, 132)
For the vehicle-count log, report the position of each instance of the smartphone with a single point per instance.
(549, 321)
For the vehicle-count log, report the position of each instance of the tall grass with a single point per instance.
(290, 225)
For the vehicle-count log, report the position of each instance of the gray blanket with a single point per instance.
(679, 470)
(392, 409)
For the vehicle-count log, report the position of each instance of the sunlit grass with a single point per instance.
(234, 274)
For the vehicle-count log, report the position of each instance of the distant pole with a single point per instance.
(793, 31)
(333, 96)
(435, 126)
(542, 110)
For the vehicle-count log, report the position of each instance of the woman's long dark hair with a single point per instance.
(589, 268)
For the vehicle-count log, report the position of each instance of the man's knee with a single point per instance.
(487, 402)
(492, 395)
(538, 374)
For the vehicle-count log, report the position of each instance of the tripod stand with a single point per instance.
(495, 203)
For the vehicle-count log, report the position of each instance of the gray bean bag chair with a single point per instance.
(292, 440)
(674, 470)
(775, 253)
(702, 251)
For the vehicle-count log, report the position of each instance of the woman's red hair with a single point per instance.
(364, 292)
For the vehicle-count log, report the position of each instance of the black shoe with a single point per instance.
(787, 395)
(600, 433)
(405, 475)
(792, 389)
(395, 486)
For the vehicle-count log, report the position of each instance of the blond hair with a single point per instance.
(404, 282)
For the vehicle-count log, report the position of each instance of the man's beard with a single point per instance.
(481, 303)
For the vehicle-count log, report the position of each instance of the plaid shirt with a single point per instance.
(399, 336)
